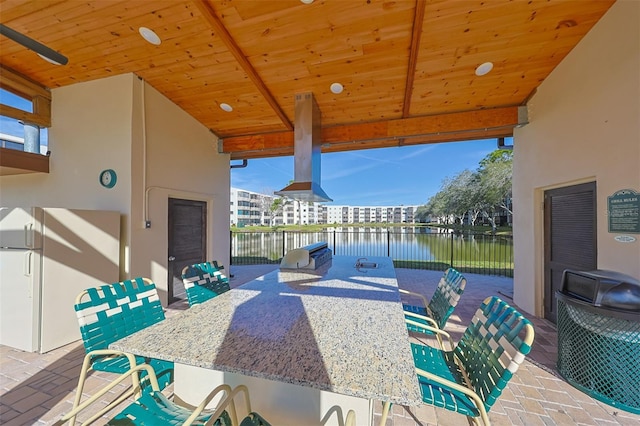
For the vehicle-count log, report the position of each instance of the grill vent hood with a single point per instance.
(306, 152)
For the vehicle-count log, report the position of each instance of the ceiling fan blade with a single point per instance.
(36, 46)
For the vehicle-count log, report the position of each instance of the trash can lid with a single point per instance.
(603, 288)
(624, 296)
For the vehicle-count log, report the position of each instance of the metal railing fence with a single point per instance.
(409, 247)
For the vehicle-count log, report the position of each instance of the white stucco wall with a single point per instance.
(182, 162)
(584, 125)
(90, 132)
(103, 125)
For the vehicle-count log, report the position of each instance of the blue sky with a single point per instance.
(405, 175)
(11, 126)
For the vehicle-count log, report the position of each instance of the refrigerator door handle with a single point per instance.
(27, 264)
(28, 235)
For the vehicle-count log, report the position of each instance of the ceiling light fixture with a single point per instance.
(307, 1)
(226, 107)
(43, 51)
(149, 35)
(484, 68)
(336, 88)
(568, 23)
(51, 61)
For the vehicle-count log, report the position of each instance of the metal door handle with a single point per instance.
(172, 258)
(28, 235)
(26, 265)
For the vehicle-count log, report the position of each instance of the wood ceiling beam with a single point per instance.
(469, 125)
(416, 34)
(221, 31)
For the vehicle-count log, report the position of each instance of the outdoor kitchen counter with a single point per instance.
(338, 329)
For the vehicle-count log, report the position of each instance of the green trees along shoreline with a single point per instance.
(471, 195)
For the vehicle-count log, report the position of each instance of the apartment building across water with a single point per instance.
(252, 208)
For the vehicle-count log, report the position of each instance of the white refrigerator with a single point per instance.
(47, 257)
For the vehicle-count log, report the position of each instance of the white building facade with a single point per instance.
(251, 209)
(369, 214)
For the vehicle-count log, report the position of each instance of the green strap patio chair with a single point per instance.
(109, 313)
(154, 408)
(204, 281)
(469, 377)
(437, 311)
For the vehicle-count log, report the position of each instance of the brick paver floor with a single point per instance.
(39, 388)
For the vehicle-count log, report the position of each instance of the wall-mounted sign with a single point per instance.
(625, 238)
(624, 211)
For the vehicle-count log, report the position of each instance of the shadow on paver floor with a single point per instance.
(39, 388)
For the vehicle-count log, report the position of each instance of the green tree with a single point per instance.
(495, 174)
(422, 214)
(504, 156)
(277, 207)
(436, 207)
(474, 193)
(460, 194)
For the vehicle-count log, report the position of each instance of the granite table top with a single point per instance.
(338, 328)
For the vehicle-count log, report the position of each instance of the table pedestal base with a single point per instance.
(279, 403)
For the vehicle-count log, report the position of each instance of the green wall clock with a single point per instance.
(108, 178)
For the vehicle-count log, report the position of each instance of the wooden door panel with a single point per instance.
(570, 237)
(187, 240)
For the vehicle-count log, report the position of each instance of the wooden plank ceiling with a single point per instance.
(407, 66)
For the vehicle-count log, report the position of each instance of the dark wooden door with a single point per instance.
(187, 241)
(570, 237)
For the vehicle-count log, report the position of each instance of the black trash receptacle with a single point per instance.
(599, 336)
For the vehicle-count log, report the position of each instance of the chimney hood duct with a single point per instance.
(306, 152)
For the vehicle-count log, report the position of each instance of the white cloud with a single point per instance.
(418, 152)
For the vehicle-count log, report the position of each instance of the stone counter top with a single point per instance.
(338, 328)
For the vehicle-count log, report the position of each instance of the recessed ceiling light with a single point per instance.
(149, 35)
(307, 1)
(484, 68)
(336, 88)
(226, 107)
(568, 23)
